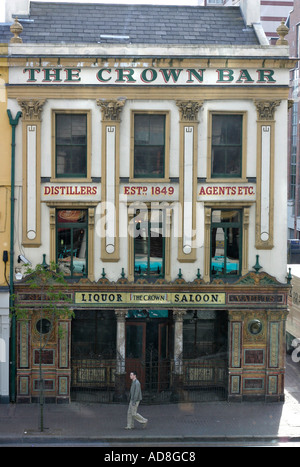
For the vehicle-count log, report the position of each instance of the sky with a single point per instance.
(157, 2)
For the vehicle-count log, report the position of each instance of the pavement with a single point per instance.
(221, 421)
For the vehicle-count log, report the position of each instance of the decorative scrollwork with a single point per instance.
(189, 110)
(266, 109)
(111, 109)
(31, 108)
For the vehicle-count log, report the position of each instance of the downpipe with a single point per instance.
(13, 123)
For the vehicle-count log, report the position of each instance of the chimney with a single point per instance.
(251, 11)
(16, 7)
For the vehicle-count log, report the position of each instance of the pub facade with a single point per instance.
(154, 175)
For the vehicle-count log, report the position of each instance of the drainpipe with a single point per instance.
(13, 123)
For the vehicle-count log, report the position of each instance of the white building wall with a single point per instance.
(113, 270)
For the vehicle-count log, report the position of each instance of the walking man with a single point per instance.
(135, 399)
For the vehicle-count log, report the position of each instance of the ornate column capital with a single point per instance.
(178, 314)
(121, 314)
(31, 108)
(189, 110)
(236, 315)
(266, 109)
(111, 109)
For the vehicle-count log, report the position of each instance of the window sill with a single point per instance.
(227, 180)
(149, 180)
(71, 180)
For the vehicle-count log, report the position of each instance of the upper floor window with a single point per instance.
(71, 145)
(226, 242)
(149, 145)
(71, 241)
(226, 146)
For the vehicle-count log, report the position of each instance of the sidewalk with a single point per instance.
(190, 422)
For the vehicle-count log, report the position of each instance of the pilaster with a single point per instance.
(110, 180)
(264, 237)
(31, 111)
(188, 127)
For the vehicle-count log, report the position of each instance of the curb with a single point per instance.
(159, 440)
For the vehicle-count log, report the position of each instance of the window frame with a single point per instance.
(69, 177)
(214, 2)
(73, 225)
(161, 226)
(149, 178)
(99, 323)
(167, 214)
(224, 177)
(227, 225)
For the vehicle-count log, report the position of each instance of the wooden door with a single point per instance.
(135, 351)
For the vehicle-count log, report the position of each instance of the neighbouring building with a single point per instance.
(272, 12)
(293, 320)
(5, 197)
(151, 167)
(293, 140)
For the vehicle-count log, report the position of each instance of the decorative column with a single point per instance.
(63, 361)
(245, 239)
(275, 371)
(52, 224)
(24, 356)
(235, 339)
(91, 230)
(207, 224)
(31, 111)
(188, 178)
(110, 177)
(120, 375)
(265, 173)
(178, 353)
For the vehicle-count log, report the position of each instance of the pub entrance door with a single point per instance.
(147, 352)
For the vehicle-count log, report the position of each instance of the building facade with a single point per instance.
(150, 165)
(293, 321)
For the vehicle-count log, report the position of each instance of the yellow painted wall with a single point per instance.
(5, 156)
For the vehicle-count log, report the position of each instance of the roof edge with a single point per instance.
(149, 50)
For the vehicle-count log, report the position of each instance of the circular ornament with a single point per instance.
(255, 327)
(43, 326)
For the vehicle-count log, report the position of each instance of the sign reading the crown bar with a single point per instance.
(147, 76)
(151, 298)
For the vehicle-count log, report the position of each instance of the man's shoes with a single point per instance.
(128, 428)
(145, 424)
